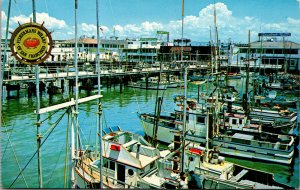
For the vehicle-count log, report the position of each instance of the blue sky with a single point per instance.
(142, 18)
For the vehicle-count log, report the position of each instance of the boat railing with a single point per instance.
(226, 183)
(118, 183)
(264, 144)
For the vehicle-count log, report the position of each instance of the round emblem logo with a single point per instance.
(31, 43)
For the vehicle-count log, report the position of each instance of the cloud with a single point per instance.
(151, 26)
(58, 27)
(3, 16)
(88, 28)
(196, 27)
(50, 22)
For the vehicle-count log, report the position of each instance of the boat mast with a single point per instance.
(247, 110)
(216, 39)
(74, 134)
(1, 79)
(99, 93)
(38, 116)
(6, 37)
(217, 68)
(185, 94)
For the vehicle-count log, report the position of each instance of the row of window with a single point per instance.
(199, 119)
(270, 51)
(94, 45)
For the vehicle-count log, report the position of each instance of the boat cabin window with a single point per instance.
(241, 121)
(112, 165)
(181, 117)
(200, 119)
(241, 141)
(234, 122)
(108, 164)
(105, 163)
(130, 172)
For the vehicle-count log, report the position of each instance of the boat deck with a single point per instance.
(145, 160)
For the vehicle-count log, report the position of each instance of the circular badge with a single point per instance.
(31, 43)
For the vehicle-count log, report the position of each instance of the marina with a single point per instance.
(125, 105)
(81, 110)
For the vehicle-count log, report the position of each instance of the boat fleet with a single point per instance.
(216, 126)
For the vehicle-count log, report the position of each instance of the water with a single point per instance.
(118, 109)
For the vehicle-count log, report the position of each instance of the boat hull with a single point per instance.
(166, 134)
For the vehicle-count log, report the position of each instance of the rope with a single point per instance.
(54, 125)
(67, 150)
(49, 116)
(21, 172)
(18, 7)
(55, 165)
(47, 10)
(3, 153)
(138, 105)
(59, 119)
(82, 133)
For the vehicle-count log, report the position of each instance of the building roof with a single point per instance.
(94, 41)
(276, 44)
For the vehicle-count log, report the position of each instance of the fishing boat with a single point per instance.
(127, 157)
(255, 145)
(172, 81)
(283, 120)
(209, 163)
(151, 83)
(272, 99)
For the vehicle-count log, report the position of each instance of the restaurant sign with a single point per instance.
(31, 43)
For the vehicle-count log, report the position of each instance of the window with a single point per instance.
(201, 119)
(105, 163)
(187, 117)
(234, 121)
(130, 172)
(241, 121)
(112, 165)
(292, 63)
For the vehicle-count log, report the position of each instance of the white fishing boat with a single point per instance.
(151, 83)
(127, 157)
(257, 145)
(212, 166)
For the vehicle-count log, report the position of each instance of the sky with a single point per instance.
(142, 18)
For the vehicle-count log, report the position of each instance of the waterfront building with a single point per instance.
(271, 52)
(141, 51)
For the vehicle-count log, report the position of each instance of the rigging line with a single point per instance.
(18, 7)
(104, 120)
(3, 153)
(47, 9)
(55, 124)
(15, 156)
(35, 153)
(42, 121)
(138, 105)
(134, 92)
(50, 179)
(112, 12)
(88, 110)
(82, 133)
(67, 150)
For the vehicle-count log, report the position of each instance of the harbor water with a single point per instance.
(18, 136)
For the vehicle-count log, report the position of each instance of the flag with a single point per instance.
(101, 30)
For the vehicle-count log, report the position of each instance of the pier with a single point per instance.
(57, 80)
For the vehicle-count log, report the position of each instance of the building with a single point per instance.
(272, 52)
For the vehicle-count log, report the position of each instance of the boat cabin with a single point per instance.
(126, 156)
